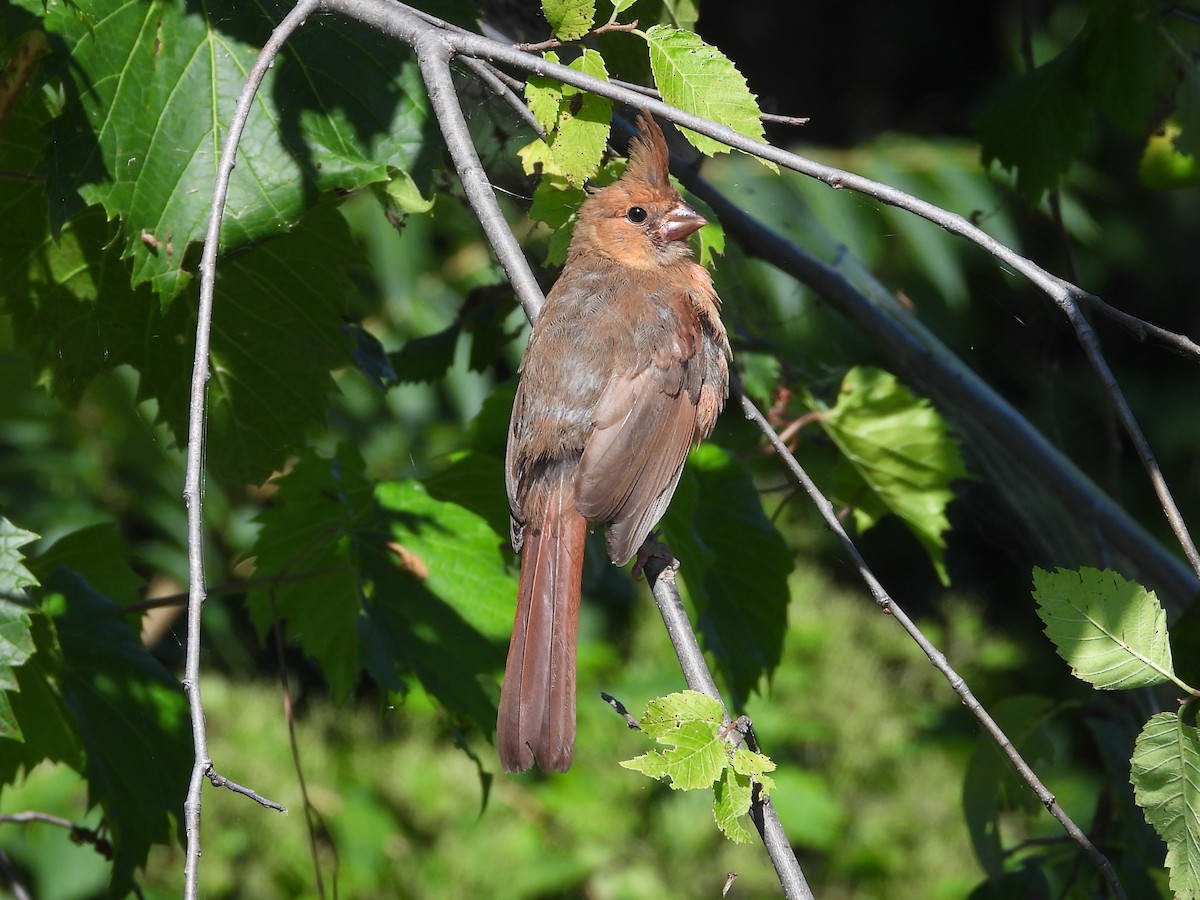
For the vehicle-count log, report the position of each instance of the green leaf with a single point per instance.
(277, 333)
(1039, 123)
(135, 73)
(904, 453)
(570, 19)
(1121, 63)
(16, 640)
(315, 532)
(581, 136)
(731, 808)
(544, 96)
(992, 789)
(700, 755)
(715, 516)
(100, 555)
(577, 124)
(16, 646)
(689, 723)
(394, 581)
(14, 577)
(665, 714)
(131, 716)
(700, 79)
(1112, 632)
(1165, 771)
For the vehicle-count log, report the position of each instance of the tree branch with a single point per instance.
(936, 657)
(660, 568)
(193, 491)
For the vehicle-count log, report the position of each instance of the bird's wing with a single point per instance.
(645, 424)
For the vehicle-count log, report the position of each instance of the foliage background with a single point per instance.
(358, 320)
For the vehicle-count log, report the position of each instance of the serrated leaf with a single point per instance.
(570, 19)
(695, 759)
(134, 74)
(581, 136)
(903, 451)
(717, 515)
(664, 714)
(132, 719)
(698, 78)
(1111, 631)
(733, 793)
(1165, 771)
(277, 334)
(755, 765)
(314, 532)
(544, 95)
(13, 574)
(16, 646)
(577, 124)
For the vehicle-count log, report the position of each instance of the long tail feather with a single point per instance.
(536, 721)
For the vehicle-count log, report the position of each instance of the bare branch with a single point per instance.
(193, 491)
(936, 657)
(660, 568)
(219, 780)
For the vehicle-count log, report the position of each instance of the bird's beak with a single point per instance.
(680, 222)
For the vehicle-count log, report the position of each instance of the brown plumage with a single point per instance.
(626, 371)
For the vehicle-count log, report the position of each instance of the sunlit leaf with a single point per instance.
(904, 453)
(1165, 771)
(700, 79)
(570, 19)
(1112, 632)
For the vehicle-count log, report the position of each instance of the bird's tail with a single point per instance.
(536, 721)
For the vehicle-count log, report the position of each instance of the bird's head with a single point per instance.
(639, 220)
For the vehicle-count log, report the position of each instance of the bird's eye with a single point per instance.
(636, 215)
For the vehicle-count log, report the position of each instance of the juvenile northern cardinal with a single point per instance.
(626, 370)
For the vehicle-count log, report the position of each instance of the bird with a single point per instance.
(626, 370)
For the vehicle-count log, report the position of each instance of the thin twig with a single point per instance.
(766, 117)
(216, 779)
(10, 877)
(80, 834)
(554, 43)
(228, 587)
(660, 569)
(936, 657)
(193, 492)
(289, 715)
